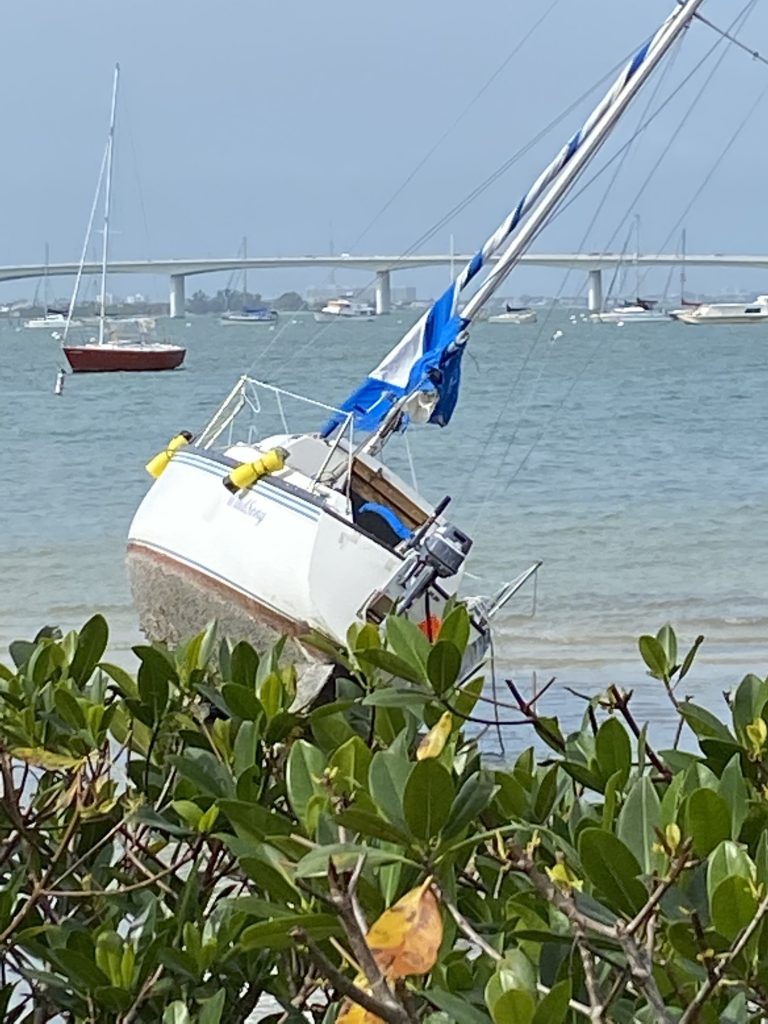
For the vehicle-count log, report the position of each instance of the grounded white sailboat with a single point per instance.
(344, 309)
(309, 532)
(726, 312)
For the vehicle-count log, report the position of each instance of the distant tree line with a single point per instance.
(233, 299)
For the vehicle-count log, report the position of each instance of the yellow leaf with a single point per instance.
(433, 743)
(353, 1013)
(406, 938)
(563, 877)
(757, 734)
(672, 836)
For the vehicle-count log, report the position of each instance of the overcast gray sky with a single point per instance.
(293, 123)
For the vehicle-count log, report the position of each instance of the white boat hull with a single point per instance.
(266, 562)
(528, 317)
(615, 316)
(690, 318)
(328, 318)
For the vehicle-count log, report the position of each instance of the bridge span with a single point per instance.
(178, 270)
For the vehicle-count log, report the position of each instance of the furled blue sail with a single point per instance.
(427, 359)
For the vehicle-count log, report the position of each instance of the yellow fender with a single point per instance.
(246, 474)
(157, 464)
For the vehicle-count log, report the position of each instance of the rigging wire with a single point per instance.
(455, 123)
(754, 54)
(480, 189)
(493, 490)
(742, 16)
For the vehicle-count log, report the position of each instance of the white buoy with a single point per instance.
(620, 323)
(59, 386)
(556, 335)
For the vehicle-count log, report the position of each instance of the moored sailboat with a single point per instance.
(308, 533)
(117, 347)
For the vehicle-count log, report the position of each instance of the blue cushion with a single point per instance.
(389, 517)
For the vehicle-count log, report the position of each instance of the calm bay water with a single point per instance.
(631, 460)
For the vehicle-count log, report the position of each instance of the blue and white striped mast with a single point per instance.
(536, 205)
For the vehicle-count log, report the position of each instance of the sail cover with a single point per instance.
(427, 360)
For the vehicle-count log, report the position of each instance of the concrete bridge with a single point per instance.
(178, 270)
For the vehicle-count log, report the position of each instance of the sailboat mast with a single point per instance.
(107, 202)
(245, 272)
(682, 270)
(650, 57)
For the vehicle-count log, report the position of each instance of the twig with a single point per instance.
(350, 915)
(621, 703)
(146, 988)
(389, 1011)
(718, 973)
(467, 929)
(681, 862)
(596, 1011)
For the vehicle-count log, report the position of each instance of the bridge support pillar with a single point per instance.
(595, 291)
(178, 299)
(383, 292)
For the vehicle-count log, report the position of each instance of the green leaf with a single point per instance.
(707, 820)
(271, 695)
(345, 857)
(638, 820)
(303, 775)
(613, 750)
(243, 665)
(372, 826)
(242, 701)
(395, 665)
(547, 794)
(81, 969)
(703, 723)
(612, 788)
(276, 934)
(668, 641)
(91, 644)
(515, 1006)
(553, 1008)
(443, 665)
(408, 642)
(654, 656)
(457, 1007)
(203, 770)
(727, 860)
(428, 796)
(351, 764)
(212, 1008)
(613, 869)
(732, 906)
(176, 1013)
(472, 799)
(749, 702)
(734, 791)
(463, 701)
(456, 628)
(397, 697)
(386, 782)
(514, 971)
(68, 708)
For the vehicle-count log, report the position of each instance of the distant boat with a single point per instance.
(53, 319)
(513, 315)
(126, 344)
(640, 311)
(343, 309)
(260, 315)
(726, 312)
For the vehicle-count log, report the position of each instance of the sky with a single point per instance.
(295, 123)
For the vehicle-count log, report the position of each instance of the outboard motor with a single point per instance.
(438, 553)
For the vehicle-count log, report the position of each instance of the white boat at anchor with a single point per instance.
(52, 320)
(513, 315)
(344, 309)
(723, 313)
(257, 315)
(306, 532)
(641, 311)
